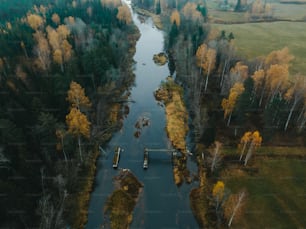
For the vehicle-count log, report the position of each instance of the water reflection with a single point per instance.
(161, 204)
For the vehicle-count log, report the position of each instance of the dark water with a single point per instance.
(161, 204)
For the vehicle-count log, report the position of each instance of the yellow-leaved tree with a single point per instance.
(77, 122)
(78, 126)
(34, 21)
(124, 14)
(76, 96)
(254, 141)
(206, 60)
(175, 17)
(229, 104)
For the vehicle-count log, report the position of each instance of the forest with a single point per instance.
(65, 67)
(61, 66)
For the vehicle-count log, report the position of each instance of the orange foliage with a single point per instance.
(77, 123)
(124, 14)
(175, 17)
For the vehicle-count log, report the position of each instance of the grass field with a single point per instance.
(276, 195)
(257, 39)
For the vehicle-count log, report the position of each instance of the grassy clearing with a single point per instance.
(289, 11)
(258, 39)
(270, 151)
(276, 195)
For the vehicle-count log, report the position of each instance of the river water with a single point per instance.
(161, 204)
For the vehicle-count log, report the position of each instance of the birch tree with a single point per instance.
(233, 207)
(79, 126)
(255, 142)
(228, 104)
(215, 155)
(294, 95)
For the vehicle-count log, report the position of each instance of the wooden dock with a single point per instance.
(116, 157)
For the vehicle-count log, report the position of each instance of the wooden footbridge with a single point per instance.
(146, 155)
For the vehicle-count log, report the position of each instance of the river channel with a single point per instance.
(161, 204)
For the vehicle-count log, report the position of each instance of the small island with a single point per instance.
(160, 58)
(120, 204)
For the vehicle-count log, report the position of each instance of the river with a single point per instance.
(161, 204)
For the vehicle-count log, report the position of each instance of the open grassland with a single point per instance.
(276, 194)
(258, 39)
(289, 11)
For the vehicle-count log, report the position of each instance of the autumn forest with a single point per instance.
(66, 74)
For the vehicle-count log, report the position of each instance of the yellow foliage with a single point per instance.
(218, 190)
(277, 76)
(281, 57)
(228, 105)
(124, 14)
(56, 18)
(77, 123)
(57, 56)
(190, 12)
(175, 17)
(258, 77)
(35, 21)
(76, 96)
(241, 70)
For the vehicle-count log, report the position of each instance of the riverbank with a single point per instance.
(86, 183)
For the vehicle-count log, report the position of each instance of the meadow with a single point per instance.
(276, 196)
(258, 39)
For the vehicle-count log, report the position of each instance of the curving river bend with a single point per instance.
(161, 204)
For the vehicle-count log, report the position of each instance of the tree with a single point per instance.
(228, 105)
(190, 12)
(56, 19)
(218, 192)
(60, 134)
(175, 17)
(42, 50)
(157, 7)
(281, 57)
(124, 14)
(244, 141)
(206, 60)
(216, 155)
(76, 96)
(34, 21)
(259, 83)
(277, 77)
(78, 125)
(256, 140)
(233, 207)
(294, 94)
(62, 50)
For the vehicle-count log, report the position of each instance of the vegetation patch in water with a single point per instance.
(120, 204)
(160, 58)
(171, 95)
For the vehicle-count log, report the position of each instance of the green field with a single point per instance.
(257, 39)
(276, 195)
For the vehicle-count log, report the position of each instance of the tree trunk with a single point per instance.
(249, 154)
(223, 72)
(290, 114)
(229, 119)
(208, 72)
(242, 151)
(65, 156)
(80, 149)
(241, 196)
